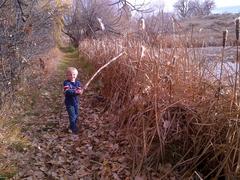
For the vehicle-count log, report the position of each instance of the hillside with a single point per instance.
(207, 30)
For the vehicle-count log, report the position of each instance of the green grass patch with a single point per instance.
(87, 67)
(6, 176)
(7, 169)
(67, 49)
(12, 122)
(18, 146)
(7, 172)
(73, 58)
(72, 55)
(49, 126)
(32, 113)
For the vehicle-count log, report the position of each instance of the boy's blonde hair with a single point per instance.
(71, 69)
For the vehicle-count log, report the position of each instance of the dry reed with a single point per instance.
(166, 102)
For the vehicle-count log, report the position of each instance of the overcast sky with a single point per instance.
(169, 3)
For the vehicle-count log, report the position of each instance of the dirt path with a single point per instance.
(98, 152)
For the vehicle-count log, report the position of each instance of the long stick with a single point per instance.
(101, 68)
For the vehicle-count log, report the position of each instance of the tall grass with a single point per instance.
(168, 102)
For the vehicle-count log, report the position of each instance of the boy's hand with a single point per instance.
(79, 91)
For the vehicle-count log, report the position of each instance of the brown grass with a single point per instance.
(171, 107)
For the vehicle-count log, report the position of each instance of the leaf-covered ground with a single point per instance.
(98, 152)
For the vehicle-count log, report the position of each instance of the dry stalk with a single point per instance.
(237, 57)
(237, 68)
(180, 123)
(225, 33)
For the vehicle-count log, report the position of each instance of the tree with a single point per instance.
(197, 8)
(86, 18)
(188, 8)
(26, 28)
(208, 6)
(181, 7)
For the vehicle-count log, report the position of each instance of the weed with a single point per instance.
(169, 104)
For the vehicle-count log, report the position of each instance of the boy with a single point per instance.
(72, 89)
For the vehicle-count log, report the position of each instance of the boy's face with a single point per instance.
(72, 75)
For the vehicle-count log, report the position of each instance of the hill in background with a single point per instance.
(209, 29)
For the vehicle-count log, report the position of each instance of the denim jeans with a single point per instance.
(73, 117)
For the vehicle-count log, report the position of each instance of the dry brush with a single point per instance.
(173, 106)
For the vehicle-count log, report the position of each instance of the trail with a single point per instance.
(98, 152)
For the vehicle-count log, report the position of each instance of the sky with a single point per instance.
(169, 3)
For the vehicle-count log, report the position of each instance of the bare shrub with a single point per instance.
(26, 29)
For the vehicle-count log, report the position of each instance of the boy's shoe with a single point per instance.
(76, 131)
(67, 130)
(70, 131)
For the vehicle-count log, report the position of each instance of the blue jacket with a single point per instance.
(71, 98)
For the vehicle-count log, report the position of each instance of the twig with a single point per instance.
(83, 175)
(1, 5)
(198, 175)
(96, 162)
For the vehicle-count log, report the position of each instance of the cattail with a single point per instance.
(101, 24)
(142, 24)
(17, 52)
(173, 60)
(24, 60)
(225, 34)
(237, 28)
(142, 51)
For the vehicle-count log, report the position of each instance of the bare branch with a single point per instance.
(2, 4)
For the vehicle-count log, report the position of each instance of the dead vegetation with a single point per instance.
(174, 107)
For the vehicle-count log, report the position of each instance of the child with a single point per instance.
(72, 89)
